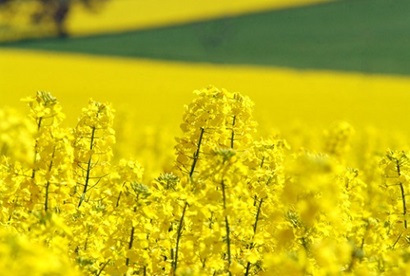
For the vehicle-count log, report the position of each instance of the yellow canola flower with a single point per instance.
(15, 135)
(19, 256)
(45, 107)
(215, 121)
(250, 207)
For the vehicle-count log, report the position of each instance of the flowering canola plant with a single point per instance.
(229, 203)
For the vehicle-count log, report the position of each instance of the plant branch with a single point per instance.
(196, 154)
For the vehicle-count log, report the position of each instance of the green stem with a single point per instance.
(102, 267)
(262, 161)
(255, 225)
(127, 261)
(258, 212)
(48, 181)
(233, 132)
(227, 228)
(397, 240)
(89, 164)
(228, 239)
(196, 155)
(118, 199)
(119, 196)
(33, 173)
(46, 199)
(403, 199)
(179, 234)
(403, 196)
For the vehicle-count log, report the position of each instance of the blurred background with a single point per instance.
(303, 62)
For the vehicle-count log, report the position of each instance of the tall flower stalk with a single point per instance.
(93, 140)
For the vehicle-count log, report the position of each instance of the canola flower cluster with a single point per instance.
(231, 203)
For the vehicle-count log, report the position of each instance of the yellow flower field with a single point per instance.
(228, 201)
(149, 97)
(116, 166)
(120, 15)
(155, 92)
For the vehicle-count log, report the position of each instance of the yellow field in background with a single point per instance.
(155, 92)
(121, 15)
(131, 14)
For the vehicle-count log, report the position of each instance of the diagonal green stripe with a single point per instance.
(370, 36)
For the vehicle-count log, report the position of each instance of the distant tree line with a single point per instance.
(54, 11)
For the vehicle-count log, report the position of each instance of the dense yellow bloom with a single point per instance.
(233, 204)
(93, 140)
(19, 256)
(216, 119)
(15, 134)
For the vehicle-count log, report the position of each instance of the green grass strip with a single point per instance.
(371, 36)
